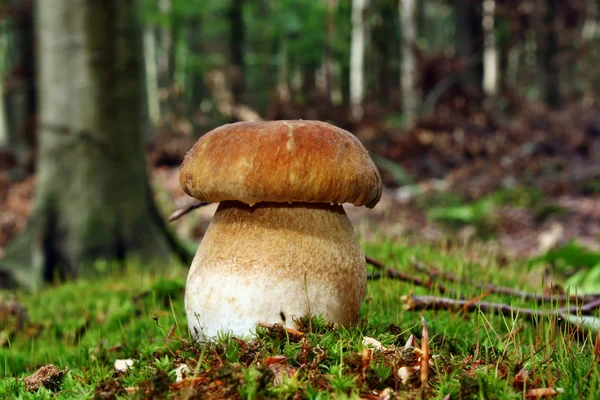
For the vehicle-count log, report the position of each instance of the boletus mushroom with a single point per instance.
(280, 244)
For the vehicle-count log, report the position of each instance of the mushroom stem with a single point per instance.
(256, 263)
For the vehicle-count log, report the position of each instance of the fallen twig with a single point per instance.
(392, 273)
(435, 273)
(587, 308)
(583, 304)
(182, 211)
(374, 276)
(424, 373)
(291, 331)
(412, 303)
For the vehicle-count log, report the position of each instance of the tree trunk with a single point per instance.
(469, 38)
(151, 74)
(490, 52)
(5, 137)
(21, 95)
(167, 36)
(357, 57)
(236, 21)
(92, 199)
(328, 56)
(196, 79)
(590, 27)
(548, 51)
(409, 64)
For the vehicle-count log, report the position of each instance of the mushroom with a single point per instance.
(280, 244)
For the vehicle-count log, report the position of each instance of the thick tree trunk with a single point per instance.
(92, 199)
(409, 63)
(21, 93)
(357, 57)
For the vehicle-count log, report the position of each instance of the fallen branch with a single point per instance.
(182, 211)
(434, 273)
(374, 276)
(392, 273)
(414, 303)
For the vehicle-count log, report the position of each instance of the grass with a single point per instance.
(132, 314)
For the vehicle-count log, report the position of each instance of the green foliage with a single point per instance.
(472, 213)
(339, 381)
(451, 210)
(580, 264)
(401, 177)
(87, 325)
(571, 255)
(586, 280)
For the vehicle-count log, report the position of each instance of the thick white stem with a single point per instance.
(258, 263)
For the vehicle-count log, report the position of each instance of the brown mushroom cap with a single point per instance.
(281, 161)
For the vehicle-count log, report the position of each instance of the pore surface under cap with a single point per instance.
(281, 161)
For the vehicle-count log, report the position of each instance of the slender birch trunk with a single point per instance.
(357, 58)
(490, 51)
(409, 64)
(150, 63)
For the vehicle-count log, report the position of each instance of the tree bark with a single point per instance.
(4, 133)
(92, 199)
(167, 36)
(151, 69)
(490, 52)
(236, 21)
(328, 56)
(21, 88)
(469, 38)
(548, 52)
(357, 57)
(409, 63)
(196, 78)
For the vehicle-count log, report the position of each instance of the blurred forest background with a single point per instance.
(483, 115)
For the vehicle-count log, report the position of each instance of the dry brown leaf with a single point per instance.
(274, 360)
(542, 392)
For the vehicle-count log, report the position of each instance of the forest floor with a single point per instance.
(87, 329)
(465, 265)
(473, 214)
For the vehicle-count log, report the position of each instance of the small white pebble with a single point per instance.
(372, 343)
(180, 371)
(123, 365)
(386, 394)
(404, 373)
